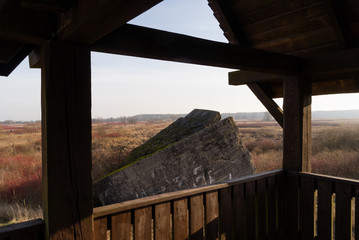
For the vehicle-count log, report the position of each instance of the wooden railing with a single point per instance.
(31, 230)
(325, 207)
(247, 208)
(273, 205)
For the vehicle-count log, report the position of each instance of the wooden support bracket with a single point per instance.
(268, 102)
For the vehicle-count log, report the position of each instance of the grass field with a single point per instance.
(335, 152)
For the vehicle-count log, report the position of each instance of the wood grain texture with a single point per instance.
(121, 226)
(356, 195)
(343, 210)
(66, 141)
(272, 207)
(297, 123)
(281, 196)
(100, 229)
(196, 217)
(262, 209)
(212, 214)
(142, 202)
(324, 209)
(239, 211)
(307, 207)
(250, 195)
(143, 224)
(225, 214)
(292, 207)
(180, 219)
(29, 228)
(163, 221)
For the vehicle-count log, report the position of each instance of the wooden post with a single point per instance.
(297, 123)
(66, 139)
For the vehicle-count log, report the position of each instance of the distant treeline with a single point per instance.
(340, 114)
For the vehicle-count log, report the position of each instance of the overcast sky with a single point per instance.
(126, 86)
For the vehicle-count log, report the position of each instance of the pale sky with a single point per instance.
(126, 86)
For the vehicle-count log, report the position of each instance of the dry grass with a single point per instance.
(335, 152)
(20, 173)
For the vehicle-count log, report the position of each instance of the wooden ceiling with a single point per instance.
(323, 32)
(268, 39)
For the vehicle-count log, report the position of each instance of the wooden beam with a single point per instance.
(244, 77)
(8, 50)
(297, 123)
(91, 20)
(268, 102)
(150, 43)
(7, 68)
(333, 63)
(35, 58)
(66, 139)
(26, 25)
(58, 6)
(321, 84)
(337, 20)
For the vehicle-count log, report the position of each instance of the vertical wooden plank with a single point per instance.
(143, 224)
(297, 123)
(307, 207)
(324, 210)
(66, 141)
(225, 213)
(272, 208)
(196, 217)
(292, 206)
(100, 229)
(239, 211)
(180, 219)
(343, 211)
(262, 212)
(212, 213)
(121, 226)
(162, 221)
(356, 220)
(281, 206)
(250, 210)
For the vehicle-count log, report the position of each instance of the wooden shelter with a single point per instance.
(292, 49)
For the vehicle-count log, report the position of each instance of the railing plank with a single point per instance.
(143, 225)
(262, 214)
(164, 197)
(250, 210)
(292, 206)
(100, 228)
(356, 212)
(239, 211)
(225, 214)
(180, 219)
(212, 213)
(272, 208)
(196, 217)
(281, 198)
(324, 209)
(162, 221)
(343, 211)
(121, 226)
(33, 229)
(307, 208)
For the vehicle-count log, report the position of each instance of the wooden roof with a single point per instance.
(268, 38)
(321, 31)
